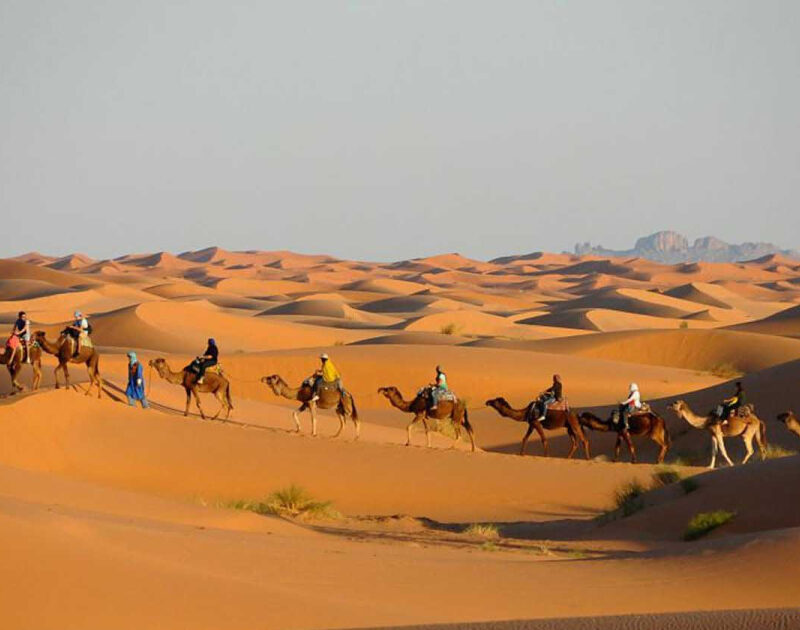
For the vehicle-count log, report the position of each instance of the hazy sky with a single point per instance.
(386, 130)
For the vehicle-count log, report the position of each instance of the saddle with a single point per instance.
(446, 396)
(559, 405)
(746, 410)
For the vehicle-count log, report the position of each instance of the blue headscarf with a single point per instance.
(132, 357)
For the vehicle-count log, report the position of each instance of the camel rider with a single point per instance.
(732, 404)
(327, 373)
(554, 393)
(438, 387)
(208, 359)
(630, 405)
(22, 331)
(79, 330)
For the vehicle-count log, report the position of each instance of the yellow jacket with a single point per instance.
(329, 372)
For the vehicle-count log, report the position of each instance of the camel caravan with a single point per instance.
(435, 403)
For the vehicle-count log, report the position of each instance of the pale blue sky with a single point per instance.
(386, 130)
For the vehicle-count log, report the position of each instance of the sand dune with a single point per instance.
(785, 323)
(687, 349)
(107, 509)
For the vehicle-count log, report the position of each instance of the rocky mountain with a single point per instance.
(671, 247)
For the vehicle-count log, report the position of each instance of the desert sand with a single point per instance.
(114, 517)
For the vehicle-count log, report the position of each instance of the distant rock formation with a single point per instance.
(671, 248)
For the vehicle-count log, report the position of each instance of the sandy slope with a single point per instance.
(114, 517)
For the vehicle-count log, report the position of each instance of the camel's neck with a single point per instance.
(48, 346)
(692, 418)
(397, 400)
(175, 378)
(508, 411)
(287, 392)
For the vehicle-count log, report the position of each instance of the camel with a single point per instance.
(13, 360)
(212, 383)
(790, 420)
(62, 349)
(555, 419)
(329, 398)
(748, 428)
(456, 412)
(646, 424)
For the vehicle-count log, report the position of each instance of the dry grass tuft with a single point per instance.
(483, 530)
(292, 501)
(705, 522)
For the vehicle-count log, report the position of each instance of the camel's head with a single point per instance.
(272, 381)
(494, 403)
(388, 391)
(679, 406)
(159, 364)
(785, 416)
(39, 335)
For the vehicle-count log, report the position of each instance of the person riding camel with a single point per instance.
(554, 393)
(630, 405)
(22, 332)
(208, 359)
(78, 330)
(732, 404)
(327, 373)
(438, 387)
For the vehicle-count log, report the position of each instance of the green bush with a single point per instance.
(291, 501)
(705, 522)
(449, 329)
(483, 530)
(629, 498)
(689, 485)
(665, 477)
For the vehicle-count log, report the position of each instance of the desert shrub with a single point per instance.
(290, 501)
(774, 452)
(339, 342)
(665, 477)
(629, 498)
(705, 522)
(449, 329)
(689, 485)
(683, 325)
(725, 370)
(489, 546)
(483, 530)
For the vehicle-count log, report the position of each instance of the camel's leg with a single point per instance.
(427, 430)
(197, 402)
(188, 401)
(659, 439)
(617, 447)
(357, 429)
(99, 382)
(585, 442)
(339, 415)
(714, 448)
(65, 370)
(220, 396)
(573, 442)
(627, 436)
(37, 375)
(312, 407)
(723, 450)
(414, 420)
(543, 438)
(525, 438)
(747, 438)
(296, 417)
